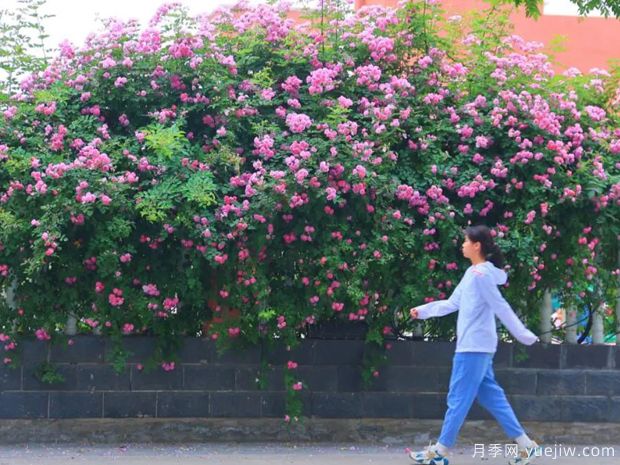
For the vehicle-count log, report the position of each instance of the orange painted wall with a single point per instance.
(590, 42)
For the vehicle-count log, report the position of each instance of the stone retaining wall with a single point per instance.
(560, 383)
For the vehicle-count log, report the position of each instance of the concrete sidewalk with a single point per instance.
(264, 454)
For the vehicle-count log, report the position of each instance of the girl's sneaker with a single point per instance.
(428, 456)
(527, 455)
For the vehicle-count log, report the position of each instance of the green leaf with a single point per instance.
(200, 188)
(57, 92)
(154, 204)
(165, 141)
(267, 315)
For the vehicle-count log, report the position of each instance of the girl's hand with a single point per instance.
(414, 313)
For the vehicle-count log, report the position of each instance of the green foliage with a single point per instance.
(22, 39)
(9, 224)
(165, 142)
(294, 403)
(200, 188)
(156, 203)
(215, 183)
(533, 8)
(47, 373)
(57, 92)
(520, 354)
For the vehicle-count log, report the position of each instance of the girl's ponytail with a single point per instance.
(490, 250)
(495, 256)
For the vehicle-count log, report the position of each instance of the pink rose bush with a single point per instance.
(295, 176)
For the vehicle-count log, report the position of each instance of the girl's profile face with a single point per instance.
(470, 249)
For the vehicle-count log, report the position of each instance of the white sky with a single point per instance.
(75, 19)
(564, 8)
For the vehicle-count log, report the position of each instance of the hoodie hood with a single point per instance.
(499, 276)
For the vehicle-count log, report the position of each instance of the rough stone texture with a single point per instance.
(537, 356)
(83, 349)
(76, 405)
(578, 356)
(560, 383)
(556, 382)
(603, 382)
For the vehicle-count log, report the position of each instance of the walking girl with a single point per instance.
(479, 301)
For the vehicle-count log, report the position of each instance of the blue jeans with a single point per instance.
(473, 378)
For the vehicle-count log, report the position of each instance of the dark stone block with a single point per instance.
(516, 381)
(337, 405)
(236, 404)
(350, 378)
(23, 404)
(379, 383)
(586, 356)
(309, 376)
(101, 378)
(387, 405)
(10, 378)
(32, 383)
(236, 356)
(274, 377)
(209, 377)
(433, 353)
(557, 383)
(586, 408)
(411, 379)
(196, 350)
(247, 379)
(603, 383)
(429, 406)
(273, 404)
(400, 353)
(536, 356)
(614, 408)
(536, 408)
(156, 379)
(129, 404)
(412, 385)
(338, 352)
(443, 375)
(76, 405)
(140, 348)
(338, 330)
(34, 352)
(318, 378)
(85, 349)
(306, 400)
(177, 404)
(279, 355)
(503, 356)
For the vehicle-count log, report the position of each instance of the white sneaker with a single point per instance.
(526, 455)
(428, 456)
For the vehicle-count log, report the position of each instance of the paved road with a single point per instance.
(256, 454)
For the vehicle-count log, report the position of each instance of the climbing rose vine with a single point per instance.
(244, 177)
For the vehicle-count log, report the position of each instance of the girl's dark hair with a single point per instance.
(489, 248)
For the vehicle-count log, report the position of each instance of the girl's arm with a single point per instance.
(440, 307)
(491, 294)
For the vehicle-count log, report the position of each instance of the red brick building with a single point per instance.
(590, 42)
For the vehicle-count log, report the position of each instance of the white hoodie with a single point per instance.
(479, 301)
